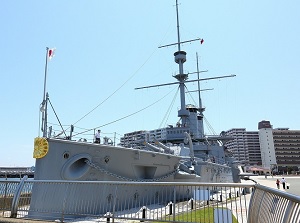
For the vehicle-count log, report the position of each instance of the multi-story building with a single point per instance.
(238, 145)
(287, 148)
(269, 148)
(245, 146)
(253, 146)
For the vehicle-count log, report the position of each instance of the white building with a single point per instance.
(267, 148)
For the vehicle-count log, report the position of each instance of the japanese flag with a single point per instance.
(51, 53)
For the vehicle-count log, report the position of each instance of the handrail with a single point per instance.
(15, 201)
(273, 205)
(159, 183)
(280, 193)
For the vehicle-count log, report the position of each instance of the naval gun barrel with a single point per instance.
(164, 147)
(152, 147)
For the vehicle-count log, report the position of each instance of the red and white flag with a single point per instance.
(50, 53)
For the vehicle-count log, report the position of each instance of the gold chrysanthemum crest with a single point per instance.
(40, 147)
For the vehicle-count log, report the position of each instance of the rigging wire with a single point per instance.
(210, 128)
(151, 55)
(169, 110)
(57, 117)
(191, 97)
(122, 85)
(39, 122)
(126, 115)
(54, 124)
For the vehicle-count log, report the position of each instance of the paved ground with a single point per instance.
(269, 181)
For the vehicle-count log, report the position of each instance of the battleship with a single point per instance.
(180, 153)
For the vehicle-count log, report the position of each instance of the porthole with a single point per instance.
(66, 155)
(106, 159)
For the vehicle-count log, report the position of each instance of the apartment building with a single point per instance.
(287, 148)
(269, 148)
(245, 146)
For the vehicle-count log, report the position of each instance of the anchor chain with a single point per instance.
(88, 162)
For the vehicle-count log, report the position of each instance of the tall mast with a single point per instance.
(201, 109)
(180, 58)
(198, 76)
(46, 68)
(178, 33)
(45, 99)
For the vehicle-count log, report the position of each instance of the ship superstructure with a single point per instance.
(205, 149)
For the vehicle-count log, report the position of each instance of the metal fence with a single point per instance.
(271, 205)
(95, 201)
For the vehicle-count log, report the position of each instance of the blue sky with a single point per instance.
(108, 46)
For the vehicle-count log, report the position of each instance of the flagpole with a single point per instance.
(45, 78)
(45, 98)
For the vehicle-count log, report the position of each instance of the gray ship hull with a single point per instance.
(82, 161)
(70, 160)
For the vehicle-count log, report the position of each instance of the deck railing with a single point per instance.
(145, 201)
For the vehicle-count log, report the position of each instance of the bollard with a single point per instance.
(170, 208)
(192, 203)
(230, 195)
(108, 215)
(143, 214)
(221, 197)
(237, 193)
(207, 202)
